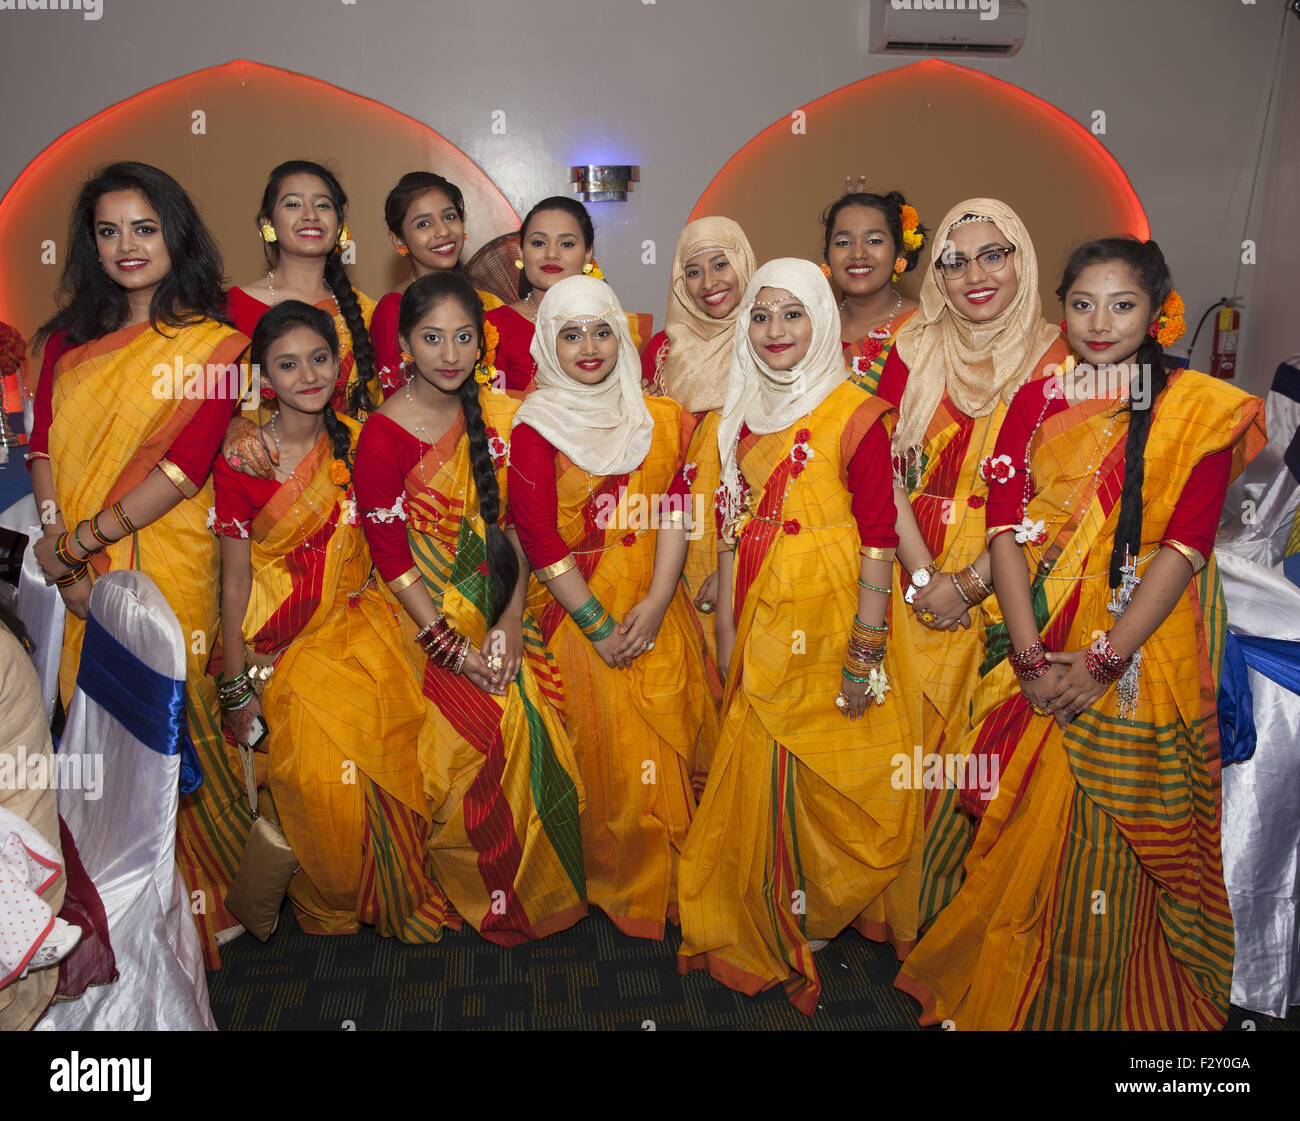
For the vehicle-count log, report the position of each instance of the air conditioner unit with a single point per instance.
(948, 27)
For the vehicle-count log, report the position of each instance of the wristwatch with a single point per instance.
(920, 578)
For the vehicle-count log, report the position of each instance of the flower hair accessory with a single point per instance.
(340, 475)
(912, 237)
(593, 270)
(1172, 324)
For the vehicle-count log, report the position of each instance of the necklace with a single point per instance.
(423, 433)
(340, 325)
(898, 306)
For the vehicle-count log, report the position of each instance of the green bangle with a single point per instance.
(587, 613)
(603, 631)
(855, 678)
(872, 588)
(869, 626)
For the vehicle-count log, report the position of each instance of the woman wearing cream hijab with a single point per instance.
(599, 504)
(688, 361)
(978, 336)
(800, 832)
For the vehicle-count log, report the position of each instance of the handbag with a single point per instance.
(267, 866)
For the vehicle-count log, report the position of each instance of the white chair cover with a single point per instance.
(126, 837)
(1261, 801)
(41, 609)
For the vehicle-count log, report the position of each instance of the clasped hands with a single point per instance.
(1066, 689)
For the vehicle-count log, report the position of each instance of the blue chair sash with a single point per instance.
(148, 704)
(1277, 659)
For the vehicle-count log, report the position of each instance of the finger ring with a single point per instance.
(706, 607)
(236, 462)
(926, 615)
(1041, 711)
(649, 644)
(495, 662)
(841, 702)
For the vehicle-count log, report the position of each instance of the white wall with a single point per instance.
(678, 85)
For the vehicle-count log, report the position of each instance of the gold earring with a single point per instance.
(268, 233)
(519, 264)
(344, 236)
(587, 267)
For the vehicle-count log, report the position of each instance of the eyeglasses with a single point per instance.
(990, 261)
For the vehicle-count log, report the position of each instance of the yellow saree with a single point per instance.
(499, 772)
(343, 715)
(1093, 894)
(802, 830)
(109, 431)
(642, 735)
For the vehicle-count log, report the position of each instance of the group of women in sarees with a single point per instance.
(825, 608)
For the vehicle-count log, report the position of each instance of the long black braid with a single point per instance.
(336, 277)
(418, 299)
(1151, 271)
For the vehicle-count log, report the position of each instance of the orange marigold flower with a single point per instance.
(340, 476)
(1173, 305)
(911, 219)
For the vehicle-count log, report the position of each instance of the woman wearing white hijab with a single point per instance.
(801, 832)
(978, 336)
(599, 503)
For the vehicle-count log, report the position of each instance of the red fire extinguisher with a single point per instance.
(1223, 358)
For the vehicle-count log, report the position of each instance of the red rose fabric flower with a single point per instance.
(629, 539)
(803, 435)
(792, 527)
(799, 454)
(975, 501)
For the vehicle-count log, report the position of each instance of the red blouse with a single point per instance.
(385, 453)
(193, 450)
(893, 378)
(1196, 516)
(239, 499)
(650, 356)
(534, 501)
(514, 357)
(383, 337)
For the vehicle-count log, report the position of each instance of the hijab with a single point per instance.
(605, 429)
(770, 400)
(699, 346)
(976, 364)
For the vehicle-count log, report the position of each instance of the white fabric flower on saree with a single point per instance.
(997, 469)
(349, 512)
(877, 684)
(212, 517)
(1030, 532)
(392, 513)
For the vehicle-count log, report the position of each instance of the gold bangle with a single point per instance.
(873, 552)
(559, 568)
(179, 479)
(994, 530)
(673, 516)
(407, 578)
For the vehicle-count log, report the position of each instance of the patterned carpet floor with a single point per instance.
(590, 977)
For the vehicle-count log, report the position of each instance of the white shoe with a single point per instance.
(58, 944)
(229, 934)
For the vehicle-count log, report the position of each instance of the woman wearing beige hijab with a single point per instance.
(688, 361)
(978, 336)
(598, 501)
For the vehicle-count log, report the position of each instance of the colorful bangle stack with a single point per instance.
(866, 651)
(127, 527)
(235, 693)
(445, 646)
(970, 586)
(1030, 664)
(1103, 663)
(75, 565)
(593, 620)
